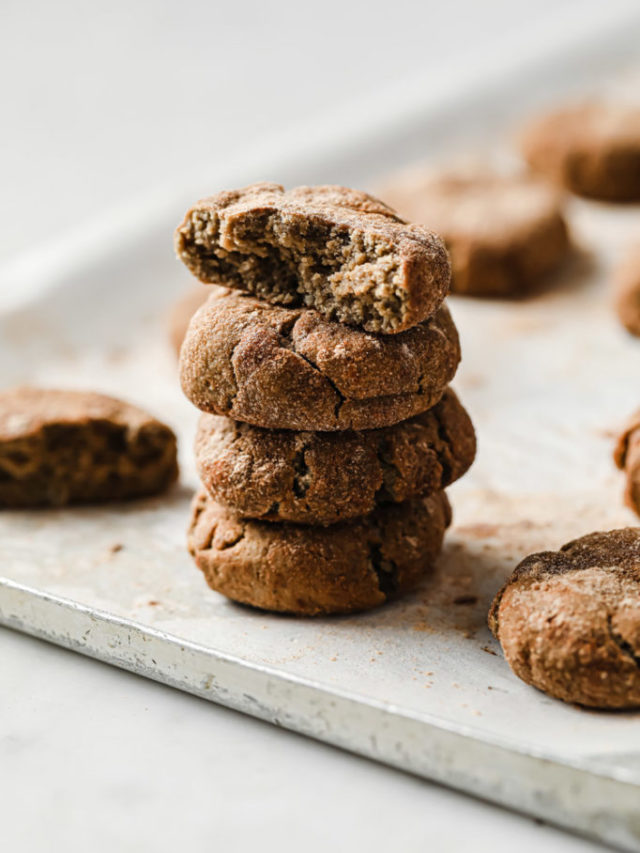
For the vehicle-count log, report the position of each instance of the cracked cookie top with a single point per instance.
(337, 250)
(292, 568)
(325, 477)
(569, 620)
(286, 368)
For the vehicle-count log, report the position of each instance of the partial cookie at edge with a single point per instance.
(569, 620)
(627, 291)
(626, 455)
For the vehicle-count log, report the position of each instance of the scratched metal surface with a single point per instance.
(419, 684)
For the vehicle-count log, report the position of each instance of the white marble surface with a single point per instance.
(96, 759)
(100, 102)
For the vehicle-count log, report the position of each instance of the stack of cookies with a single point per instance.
(321, 360)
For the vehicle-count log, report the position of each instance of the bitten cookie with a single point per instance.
(504, 233)
(324, 477)
(592, 149)
(569, 620)
(627, 457)
(182, 312)
(314, 570)
(337, 250)
(61, 447)
(627, 291)
(283, 368)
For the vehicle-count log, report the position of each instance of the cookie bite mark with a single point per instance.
(309, 571)
(569, 621)
(592, 149)
(63, 447)
(339, 251)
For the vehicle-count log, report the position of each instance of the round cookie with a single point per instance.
(309, 571)
(325, 477)
(592, 149)
(337, 250)
(182, 312)
(627, 457)
(569, 620)
(627, 291)
(288, 368)
(62, 447)
(504, 233)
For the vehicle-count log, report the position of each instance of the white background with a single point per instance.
(100, 102)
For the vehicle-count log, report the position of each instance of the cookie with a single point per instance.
(326, 477)
(339, 251)
(289, 368)
(592, 149)
(309, 571)
(182, 312)
(504, 233)
(627, 291)
(569, 620)
(62, 447)
(627, 457)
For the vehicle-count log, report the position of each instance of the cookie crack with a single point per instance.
(285, 333)
(300, 484)
(443, 450)
(625, 647)
(232, 397)
(386, 570)
(390, 473)
(229, 543)
(341, 397)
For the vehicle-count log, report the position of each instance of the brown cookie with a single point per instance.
(325, 477)
(289, 368)
(182, 312)
(627, 457)
(504, 233)
(627, 291)
(592, 149)
(569, 620)
(308, 571)
(61, 447)
(337, 250)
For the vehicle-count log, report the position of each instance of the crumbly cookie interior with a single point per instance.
(64, 463)
(350, 275)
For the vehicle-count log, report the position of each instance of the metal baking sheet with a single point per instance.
(418, 684)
